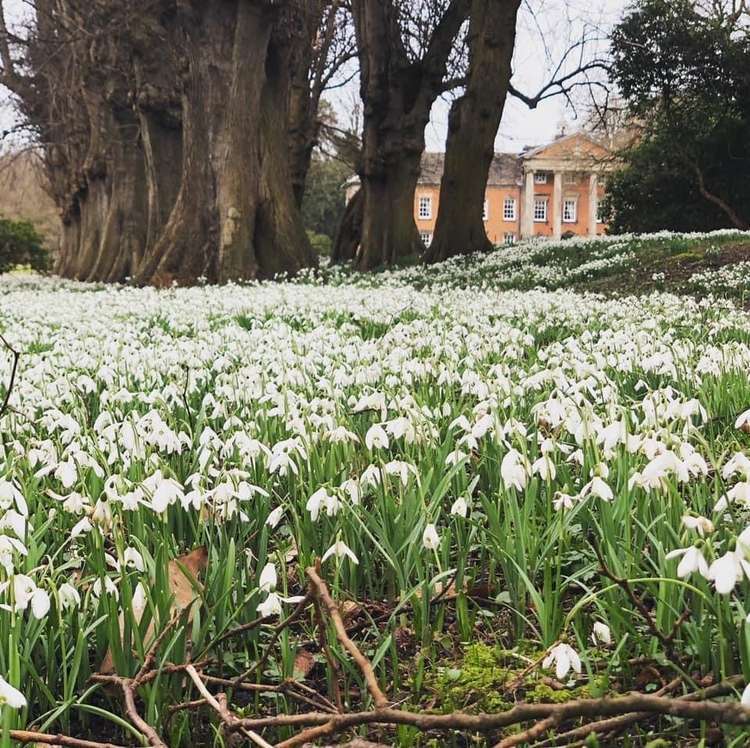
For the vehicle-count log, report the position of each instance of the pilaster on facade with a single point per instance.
(527, 212)
(593, 204)
(556, 206)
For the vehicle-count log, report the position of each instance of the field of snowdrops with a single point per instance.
(514, 497)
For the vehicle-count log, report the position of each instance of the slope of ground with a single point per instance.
(698, 264)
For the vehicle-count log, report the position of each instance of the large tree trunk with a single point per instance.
(349, 232)
(389, 179)
(235, 215)
(472, 127)
(398, 92)
(164, 127)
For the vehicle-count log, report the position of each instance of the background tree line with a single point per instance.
(683, 68)
(177, 136)
(184, 139)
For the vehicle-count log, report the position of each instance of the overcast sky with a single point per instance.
(543, 36)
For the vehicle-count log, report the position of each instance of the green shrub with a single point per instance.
(321, 243)
(20, 244)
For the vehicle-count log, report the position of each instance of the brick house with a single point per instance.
(551, 190)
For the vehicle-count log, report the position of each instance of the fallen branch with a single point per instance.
(321, 592)
(16, 357)
(533, 732)
(29, 736)
(219, 705)
(732, 713)
(616, 724)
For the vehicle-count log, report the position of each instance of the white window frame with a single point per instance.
(540, 177)
(540, 201)
(567, 202)
(485, 209)
(424, 207)
(426, 237)
(599, 216)
(570, 177)
(509, 209)
(509, 238)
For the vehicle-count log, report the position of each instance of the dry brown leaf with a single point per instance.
(349, 609)
(304, 662)
(183, 573)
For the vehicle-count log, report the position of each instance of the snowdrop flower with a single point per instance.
(544, 468)
(82, 526)
(743, 422)
(167, 492)
(701, 525)
(322, 499)
(455, 457)
(10, 696)
(102, 514)
(133, 559)
(268, 578)
(282, 463)
(692, 560)
(601, 633)
(563, 501)
(565, 658)
(26, 592)
(10, 495)
(376, 437)
(8, 546)
(513, 470)
(341, 435)
(745, 699)
(271, 606)
(109, 588)
(430, 538)
(275, 516)
(340, 549)
(69, 596)
(139, 600)
(460, 507)
(726, 571)
(597, 487)
(399, 468)
(67, 473)
(351, 487)
(13, 520)
(737, 463)
(40, 603)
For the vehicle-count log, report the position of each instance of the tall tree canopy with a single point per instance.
(684, 68)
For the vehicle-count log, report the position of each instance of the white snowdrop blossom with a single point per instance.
(514, 471)
(601, 633)
(430, 538)
(460, 507)
(564, 658)
(692, 560)
(268, 578)
(69, 596)
(340, 550)
(10, 696)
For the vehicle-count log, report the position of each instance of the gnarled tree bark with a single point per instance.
(472, 127)
(164, 132)
(397, 90)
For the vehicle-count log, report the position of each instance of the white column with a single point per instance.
(557, 205)
(593, 203)
(527, 210)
